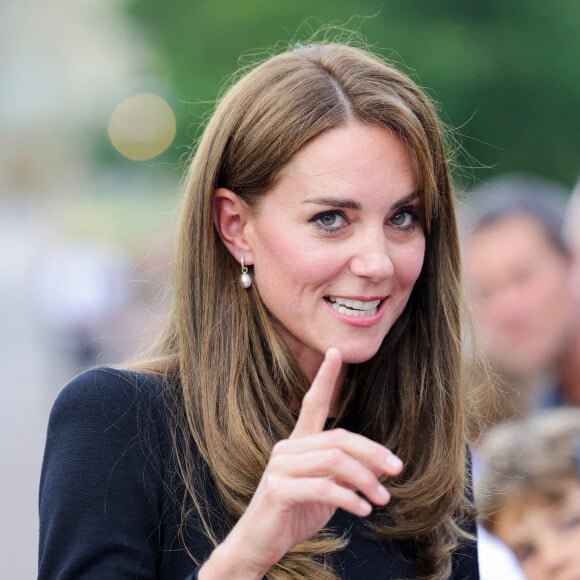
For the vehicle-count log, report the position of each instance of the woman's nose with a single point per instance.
(371, 258)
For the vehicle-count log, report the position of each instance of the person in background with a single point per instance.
(82, 288)
(304, 415)
(517, 272)
(517, 269)
(528, 493)
(568, 390)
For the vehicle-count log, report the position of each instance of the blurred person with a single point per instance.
(517, 271)
(496, 560)
(567, 391)
(82, 288)
(529, 491)
(304, 416)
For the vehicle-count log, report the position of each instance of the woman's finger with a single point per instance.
(317, 490)
(316, 402)
(374, 456)
(334, 464)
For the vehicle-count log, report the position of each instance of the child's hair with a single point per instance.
(534, 460)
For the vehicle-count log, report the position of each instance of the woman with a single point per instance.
(317, 225)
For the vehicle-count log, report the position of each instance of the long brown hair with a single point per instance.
(235, 373)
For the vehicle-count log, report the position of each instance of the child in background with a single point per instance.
(528, 493)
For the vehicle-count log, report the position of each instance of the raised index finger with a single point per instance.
(316, 402)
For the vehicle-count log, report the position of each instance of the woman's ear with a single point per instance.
(230, 218)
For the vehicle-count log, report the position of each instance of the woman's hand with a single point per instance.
(308, 477)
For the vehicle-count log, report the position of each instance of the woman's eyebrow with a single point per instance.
(351, 204)
(405, 200)
(335, 202)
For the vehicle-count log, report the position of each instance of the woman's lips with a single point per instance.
(354, 307)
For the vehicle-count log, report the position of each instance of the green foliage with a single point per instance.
(504, 71)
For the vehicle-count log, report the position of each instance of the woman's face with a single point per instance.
(338, 243)
(545, 537)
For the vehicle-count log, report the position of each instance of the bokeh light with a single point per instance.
(142, 126)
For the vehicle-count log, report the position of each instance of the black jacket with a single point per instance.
(106, 505)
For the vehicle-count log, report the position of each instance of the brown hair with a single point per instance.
(235, 373)
(529, 461)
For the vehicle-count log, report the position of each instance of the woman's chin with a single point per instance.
(357, 355)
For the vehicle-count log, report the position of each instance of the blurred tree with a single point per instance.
(505, 72)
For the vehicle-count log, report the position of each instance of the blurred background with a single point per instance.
(100, 105)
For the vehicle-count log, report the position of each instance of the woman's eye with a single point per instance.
(404, 219)
(329, 220)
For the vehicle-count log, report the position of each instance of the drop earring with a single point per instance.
(245, 278)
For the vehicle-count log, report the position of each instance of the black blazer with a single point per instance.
(106, 505)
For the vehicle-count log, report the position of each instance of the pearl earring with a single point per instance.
(245, 278)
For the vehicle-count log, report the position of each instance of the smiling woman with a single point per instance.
(305, 419)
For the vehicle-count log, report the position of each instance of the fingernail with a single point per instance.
(365, 508)
(394, 462)
(383, 493)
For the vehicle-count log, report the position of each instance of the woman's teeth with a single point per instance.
(358, 308)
